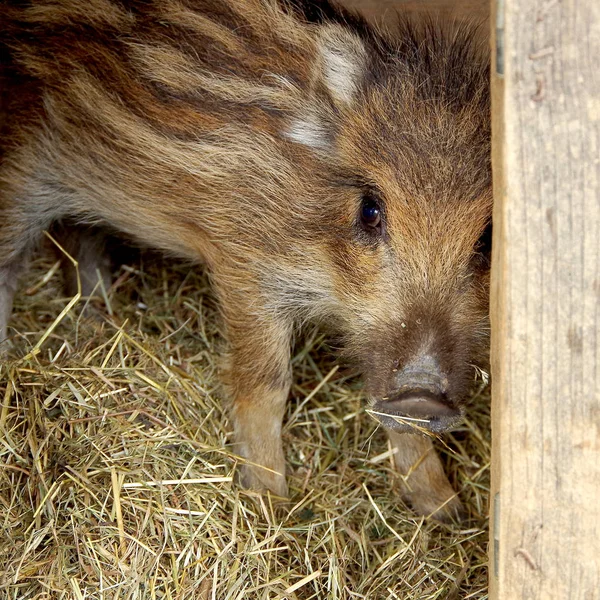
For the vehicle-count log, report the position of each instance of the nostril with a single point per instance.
(430, 382)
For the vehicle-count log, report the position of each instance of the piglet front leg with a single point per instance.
(424, 484)
(257, 419)
(258, 378)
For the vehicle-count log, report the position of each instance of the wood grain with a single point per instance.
(546, 304)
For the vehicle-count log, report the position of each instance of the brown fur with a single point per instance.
(244, 133)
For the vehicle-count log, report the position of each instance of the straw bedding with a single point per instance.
(116, 467)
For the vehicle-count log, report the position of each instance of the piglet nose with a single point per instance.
(423, 371)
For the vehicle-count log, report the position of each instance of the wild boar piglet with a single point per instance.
(324, 172)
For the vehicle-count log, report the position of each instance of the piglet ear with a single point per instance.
(340, 66)
(341, 63)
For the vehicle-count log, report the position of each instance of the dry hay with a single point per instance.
(116, 473)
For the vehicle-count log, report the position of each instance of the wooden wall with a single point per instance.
(546, 302)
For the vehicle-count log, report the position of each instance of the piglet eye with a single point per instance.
(370, 212)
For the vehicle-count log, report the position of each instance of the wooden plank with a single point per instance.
(546, 303)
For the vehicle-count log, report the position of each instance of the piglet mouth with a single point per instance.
(416, 410)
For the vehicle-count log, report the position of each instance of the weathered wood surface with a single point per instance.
(545, 517)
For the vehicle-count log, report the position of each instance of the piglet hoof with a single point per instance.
(444, 506)
(263, 480)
